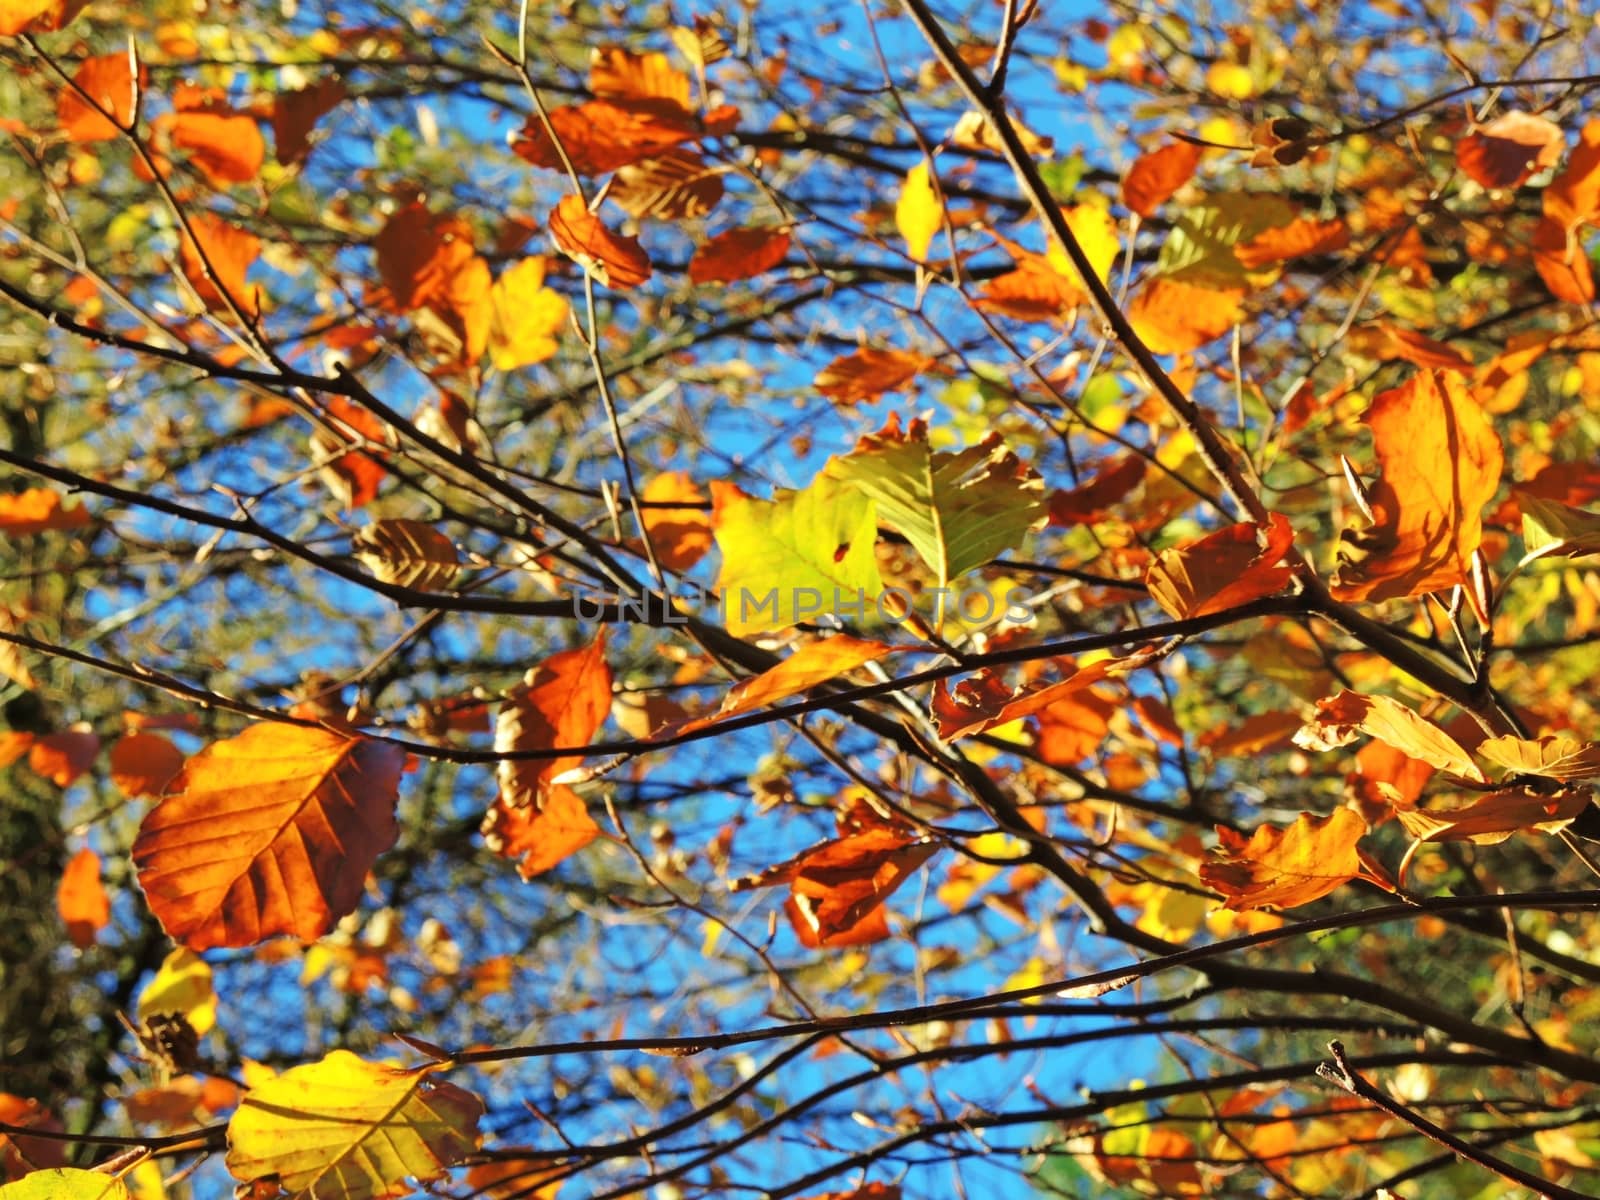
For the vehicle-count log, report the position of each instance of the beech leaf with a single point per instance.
(1222, 570)
(1492, 819)
(1341, 718)
(1282, 868)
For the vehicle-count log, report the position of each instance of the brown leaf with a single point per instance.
(354, 475)
(1089, 502)
(62, 757)
(81, 899)
(601, 135)
(295, 114)
(614, 259)
(1032, 291)
(419, 255)
(1153, 177)
(1441, 462)
(143, 764)
(225, 146)
(1510, 148)
(675, 186)
(985, 700)
(1340, 719)
(619, 74)
(1561, 262)
(1222, 570)
(868, 373)
(539, 837)
(739, 254)
(1492, 819)
(19, 1153)
(107, 80)
(410, 554)
(270, 832)
(561, 702)
(38, 510)
(1282, 868)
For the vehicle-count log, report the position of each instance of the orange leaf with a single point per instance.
(985, 701)
(270, 832)
(1423, 351)
(295, 114)
(561, 702)
(1282, 868)
(1264, 731)
(837, 889)
(62, 757)
(603, 135)
(81, 899)
(23, 16)
(1088, 502)
(230, 251)
(352, 474)
(225, 146)
(1492, 819)
(868, 373)
(142, 764)
(619, 74)
(1561, 263)
(14, 743)
(1223, 570)
(739, 254)
(107, 79)
(1573, 196)
(681, 536)
(1554, 757)
(1174, 317)
(37, 510)
(1153, 177)
(539, 837)
(1441, 461)
(1513, 146)
(1341, 718)
(675, 185)
(614, 259)
(1032, 291)
(812, 664)
(419, 255)
(1300, 238)
(1074, 727)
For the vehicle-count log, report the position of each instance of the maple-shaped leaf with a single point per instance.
(918, 214)
(39, 510)
(411, 554)
(81, 899)
(1441, 462)
(22, 16)
(350, 1129)
(1153, 177)
(1554, 756)
(181, 987)
(958, 510)
(1552, 528)
(798, 554)
(143, 764)
(561, 702)
(1173, 316)
(740, 254)
(270, 832)
(1510, 148)
(868, 373)
(1222, 570)
(986, 700)
(615, 260)
(1492, 819)
(679, 535)
(1300, 238)
(107, 80)
(1282, 868)
(1341, 718)
(528, 316)
(296, 113)
(539, 838)
(837, 889)
(676, 185)
(217, 265)
(66, 1183)
(813, 663)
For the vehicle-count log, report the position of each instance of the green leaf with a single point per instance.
(1199, 249)
(1552, 528)
(65, 1183)
(958, 510)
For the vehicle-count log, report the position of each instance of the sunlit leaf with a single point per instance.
(868, 373)
(615, 260)
(107, 82)
(739, 254)
(182, 986)
(411, 554)
(81, 899)
(66, 1183)
(680, 536)
(296, 113)
(1173, 317)
(143, 764)
(1340, 719)
(1222, 570)
(1510, 148)
(1492, 819)
(1153, 177)
(39, 510)
(812, 664)
(217, 265)
(1554, 756)
(1282, 868)
(561, 702)
(918, 215)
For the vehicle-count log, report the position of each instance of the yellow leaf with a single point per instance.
(66, 1183)
(918, 215)
(1096, 231)
(347, 1128)
(183, 986)
(1286, 867)
(1230, 80)
(528, 317)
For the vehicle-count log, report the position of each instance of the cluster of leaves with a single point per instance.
(475, 612)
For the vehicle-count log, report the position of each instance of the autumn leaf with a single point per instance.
(1552, 528)
(1573, 196)
(561, 702)
(739, 254)
(814, 663)
(1153, 177)
(528, 316)
(419, 252)
(411, 554)
(270, 832)
(66, 1183)
(918, 215)
(21, 16)
(614, 259)
(1340, 719)
(1090, 501)
(680, 536)
(1301, 238)
(295, 114)
(800, 553)
(143, 764)
(349, 1128)
(1223, 570)
(352, 474)
(81, 899)
(39, 510)
(1283, 868)
(1554, 756)
(217, 266)
(1033, 290)
(107, 81)
(617, 73)
(182, 986)
(1173, 317)
(676, 185)
(224, 145)
(515, 1179)
(1441, 462)
(1490, 820)
(63, 756)
(19, 1153)
(837, 889)
(868, 373)
(958, 510)
(985, 700)
(539, 838)
(1510, 148)
(1561, 262)
(602, 135)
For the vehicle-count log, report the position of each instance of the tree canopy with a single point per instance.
(868, 603)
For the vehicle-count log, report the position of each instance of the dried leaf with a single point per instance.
(230, 251)
(561, 702)
(1340, 719)
(539, 838)
(1554, 756)
(1510, 148)
(270, 832)
(1282, 868)
(410, 554)
(614, 259)
(619, 74)
(1492, 819)
(677, 185)
(1222, 570)
(739, 254)
(295, 114)
(601, 135)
